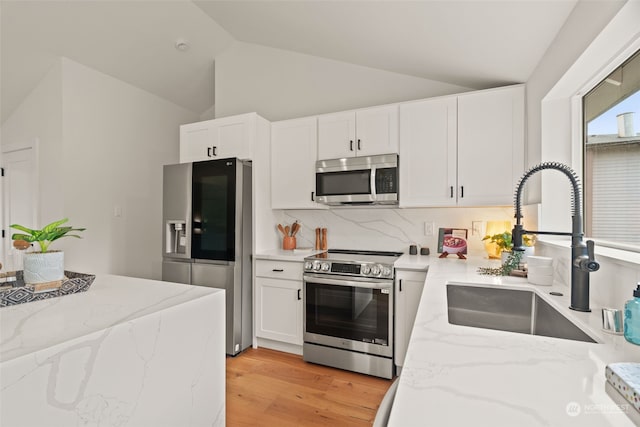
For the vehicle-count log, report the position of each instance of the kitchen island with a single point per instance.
(463, 376)
(126, 352)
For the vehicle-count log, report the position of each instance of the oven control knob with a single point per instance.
(308, 265)
(316, 266)
(375, 270)
(366, 269)
(386, 272)
(325, 266)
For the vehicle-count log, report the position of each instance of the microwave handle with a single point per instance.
(373, 183)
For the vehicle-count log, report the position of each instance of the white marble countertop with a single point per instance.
(31, 327)
(457, 375)
(127, 351)
(282, 255)
(413, 262)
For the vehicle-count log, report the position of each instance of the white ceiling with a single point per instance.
(475, 43)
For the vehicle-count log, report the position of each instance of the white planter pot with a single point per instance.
(43, 267)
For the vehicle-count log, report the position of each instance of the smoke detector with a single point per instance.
(182, 45)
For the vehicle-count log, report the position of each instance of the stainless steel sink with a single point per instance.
(509, 310)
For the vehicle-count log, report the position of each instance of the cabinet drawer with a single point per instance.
(291, 270)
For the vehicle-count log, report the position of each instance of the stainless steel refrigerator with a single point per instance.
(207, 236)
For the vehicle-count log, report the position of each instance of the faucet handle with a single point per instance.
(590, 264)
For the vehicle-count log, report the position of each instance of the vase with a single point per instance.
(44, 267)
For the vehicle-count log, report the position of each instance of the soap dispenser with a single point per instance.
(632, 318)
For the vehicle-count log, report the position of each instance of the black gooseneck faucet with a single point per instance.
(582, 255)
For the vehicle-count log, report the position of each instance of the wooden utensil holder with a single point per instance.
(288, 243)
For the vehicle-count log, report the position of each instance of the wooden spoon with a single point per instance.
(287, 229)
(282, 230)
(294, 228)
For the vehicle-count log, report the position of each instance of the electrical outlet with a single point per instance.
(476, 228)
(428, 228)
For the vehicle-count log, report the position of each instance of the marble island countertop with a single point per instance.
(458, 375)
(127, 351)
(111, 300)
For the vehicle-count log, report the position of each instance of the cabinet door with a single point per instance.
(279, 309)
(428, 153)
(232, 137)
(408, 288)
(217, 139)
(377, 130)
(293, 162)
(336, 135)
(196, 141)
(490, 146)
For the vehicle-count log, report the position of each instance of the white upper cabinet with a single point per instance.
(465, 150)
(428, 152)
(293, 160)
(218, 139)
(337, 135)
(365, 132)
(490, 146)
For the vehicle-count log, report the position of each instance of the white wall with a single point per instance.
(40, 117)
(114, 140)
(561, 135)
(280, 84)
(584, 23)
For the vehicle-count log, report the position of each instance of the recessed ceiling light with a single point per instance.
(182, 45)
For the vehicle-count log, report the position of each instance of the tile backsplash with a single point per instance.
(390, 229)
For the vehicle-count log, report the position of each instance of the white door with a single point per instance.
(428, 154)
(293, 164)
(408, 288)
(279, 310)
(336, 135)
(196, 141)
(490, 146)
(19, 197)
(377, 130)
(232, 137)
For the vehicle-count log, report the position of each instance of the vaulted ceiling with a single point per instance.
(474, 43)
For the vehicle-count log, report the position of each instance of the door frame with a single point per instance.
(5, 149)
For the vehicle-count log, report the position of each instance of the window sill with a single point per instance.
(613, 254)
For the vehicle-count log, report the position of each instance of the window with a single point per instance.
(612, 156)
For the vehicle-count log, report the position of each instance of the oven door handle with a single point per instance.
(344, 282)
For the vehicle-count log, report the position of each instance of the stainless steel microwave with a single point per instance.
(367, 180)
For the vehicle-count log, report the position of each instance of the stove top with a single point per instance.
(377, 264)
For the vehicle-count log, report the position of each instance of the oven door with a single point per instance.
(349, 313)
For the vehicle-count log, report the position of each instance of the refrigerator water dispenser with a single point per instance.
(176, 237)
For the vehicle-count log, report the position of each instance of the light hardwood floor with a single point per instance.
(271, 388)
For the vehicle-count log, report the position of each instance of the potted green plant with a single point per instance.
(503, 244)
(44, 265)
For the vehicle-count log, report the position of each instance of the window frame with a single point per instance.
(579, 135)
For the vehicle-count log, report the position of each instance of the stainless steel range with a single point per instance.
(348, 310)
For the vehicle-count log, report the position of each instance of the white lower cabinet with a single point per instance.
(278, 301)
(408, 291)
